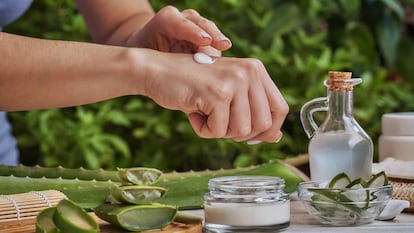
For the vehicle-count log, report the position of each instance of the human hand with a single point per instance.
(231, 98)
(184, 32)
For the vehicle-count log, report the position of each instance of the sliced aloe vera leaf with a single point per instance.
(187, 218)
(139, 175)
(378, 180)
(137, 217)
(70, 217)
(339, 181)
(44, 221)
(137, 194)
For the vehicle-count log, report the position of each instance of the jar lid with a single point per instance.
(398, 124)
(246, 184)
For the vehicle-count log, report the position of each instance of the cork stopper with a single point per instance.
(339, 81)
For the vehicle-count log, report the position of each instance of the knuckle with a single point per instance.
(253, 64)
(166, 13)
(190, 12)
(264, 125)
(244, 130)
(283, 110)
(224, 93)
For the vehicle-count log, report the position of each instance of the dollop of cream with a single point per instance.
(202, 58)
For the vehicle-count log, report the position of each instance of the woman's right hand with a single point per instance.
(231, 98)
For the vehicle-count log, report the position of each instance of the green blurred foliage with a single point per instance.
(298, 41)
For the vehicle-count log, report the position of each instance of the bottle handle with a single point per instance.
(307, 111)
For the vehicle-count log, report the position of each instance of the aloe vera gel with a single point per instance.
(339, 144)
(246, 204)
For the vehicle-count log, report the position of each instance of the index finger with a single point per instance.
(219, 40)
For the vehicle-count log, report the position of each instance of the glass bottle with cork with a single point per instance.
(339, 144)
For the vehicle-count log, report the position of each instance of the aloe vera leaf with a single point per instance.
(59, 172)
(87, 194)
(69, 218)
(139, 175)
(44, 221)
(137, 194)
(137, 217)
(186, 190)
(187, 218)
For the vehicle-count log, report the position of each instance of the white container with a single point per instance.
(397, 139)
(246, 204)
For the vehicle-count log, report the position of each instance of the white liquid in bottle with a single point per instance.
(333, 153)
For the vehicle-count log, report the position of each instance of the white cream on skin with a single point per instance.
(202, 58)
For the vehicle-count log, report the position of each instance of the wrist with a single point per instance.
(144, 69)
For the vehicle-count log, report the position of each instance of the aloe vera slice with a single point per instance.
(139, 175)
(137, 217)
(70, 218)
(44, 221)
(136, 194)
(339, 181)
(378, 180)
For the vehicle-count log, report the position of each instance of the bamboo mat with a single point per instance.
(28, 226)
(27, 205)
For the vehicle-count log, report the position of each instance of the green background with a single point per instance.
(298, 41)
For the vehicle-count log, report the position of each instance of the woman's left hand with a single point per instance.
(183, 32)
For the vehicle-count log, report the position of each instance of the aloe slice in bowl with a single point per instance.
(339, 181)
(378, 180)
(137, 217)
(69, 217)
(139, 175)
(136, 194)
(44, 221)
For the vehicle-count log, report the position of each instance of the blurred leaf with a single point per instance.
(389, 34)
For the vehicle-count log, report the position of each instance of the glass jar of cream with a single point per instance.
(246, 204)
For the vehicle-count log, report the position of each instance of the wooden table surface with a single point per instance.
(301, 221)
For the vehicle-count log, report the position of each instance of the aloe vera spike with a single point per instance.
(59, 172)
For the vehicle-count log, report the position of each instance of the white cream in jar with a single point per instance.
(244, 203)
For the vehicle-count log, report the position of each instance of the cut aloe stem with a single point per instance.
(70, 218)
(139, 175)
(340, 181)
(44, 221)
(137, 194)
(187, 218)
(378, 180)
(137, 217)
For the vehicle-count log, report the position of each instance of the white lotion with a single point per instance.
(202, 58)
(247, 214)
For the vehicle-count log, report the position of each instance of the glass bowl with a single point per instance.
(343, 206)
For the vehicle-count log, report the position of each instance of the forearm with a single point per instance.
(113, 22)
(36, 74)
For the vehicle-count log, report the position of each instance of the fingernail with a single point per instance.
(205, 35)
(224, 38)
(280, 138)
(254, 142)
